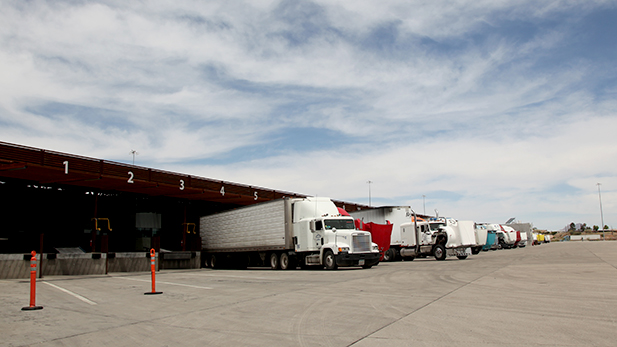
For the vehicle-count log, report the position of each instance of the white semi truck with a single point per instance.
(438, 237)
(449, 237)
(286, 233)
(511, 237)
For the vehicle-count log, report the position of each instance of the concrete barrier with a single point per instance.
(73, 264)
(16, 265)
(54, 264)
(128, 262)
(180, 260)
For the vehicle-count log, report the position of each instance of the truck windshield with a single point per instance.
(339, 224)
(435, 226)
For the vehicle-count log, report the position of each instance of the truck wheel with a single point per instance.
(439, 251)
(329, 261)
(462, 257)
(214, 263)
(408, 258)
(386, 255)
(389, 255)
(476, 250)
(367, 266)
(285, 261)
(274, 261)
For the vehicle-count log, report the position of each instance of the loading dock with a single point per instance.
(52, 200)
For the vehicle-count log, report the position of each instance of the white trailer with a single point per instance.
(481, 234)
(396, 215)
(285, 233)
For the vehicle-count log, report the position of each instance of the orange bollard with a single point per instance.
(152, 270)
(32, 285)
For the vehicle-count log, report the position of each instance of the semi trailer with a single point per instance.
(284, 234)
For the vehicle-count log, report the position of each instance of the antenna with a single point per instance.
(134, 153)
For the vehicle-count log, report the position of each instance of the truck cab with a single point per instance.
(329, 239)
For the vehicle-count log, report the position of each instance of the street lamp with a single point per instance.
(134, 153)
(601, 213)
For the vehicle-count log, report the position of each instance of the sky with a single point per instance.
(482, 110)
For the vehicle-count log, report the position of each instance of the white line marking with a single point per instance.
(243, 277)
(71, 293)
(173, 284)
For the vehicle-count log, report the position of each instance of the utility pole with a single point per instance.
(601, 213)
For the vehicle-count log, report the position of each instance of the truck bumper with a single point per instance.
(458, 251)
(359, 259)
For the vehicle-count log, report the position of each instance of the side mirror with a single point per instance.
(333, 230)
(312, 226)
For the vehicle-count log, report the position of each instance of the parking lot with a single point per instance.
(559, 294)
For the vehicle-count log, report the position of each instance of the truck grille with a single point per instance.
(361, 243)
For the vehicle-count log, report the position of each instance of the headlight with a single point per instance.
(376, 248)
(343, 249)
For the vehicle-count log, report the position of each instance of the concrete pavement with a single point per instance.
(559, 294)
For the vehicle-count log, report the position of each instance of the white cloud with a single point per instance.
(428, 97)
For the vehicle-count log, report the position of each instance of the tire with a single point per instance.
(439, 252)
(274, 261)
(389, 255)
(285, 262)
(462, 257)
(476, 250)
(367, 266)
(409, 258)
(329, 261)
(214, 263)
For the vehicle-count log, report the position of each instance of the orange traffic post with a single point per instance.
(152, 270)
(32, 285)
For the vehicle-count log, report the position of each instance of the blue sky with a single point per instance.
(491, 109)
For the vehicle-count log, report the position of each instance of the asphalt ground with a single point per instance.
(558, 294)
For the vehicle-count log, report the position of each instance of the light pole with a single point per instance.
(601, 213)
(369, 192)
(134, 152)
(423, 205)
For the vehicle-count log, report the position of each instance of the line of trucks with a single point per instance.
(312, 232)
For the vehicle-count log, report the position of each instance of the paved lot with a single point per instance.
(560, 294)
